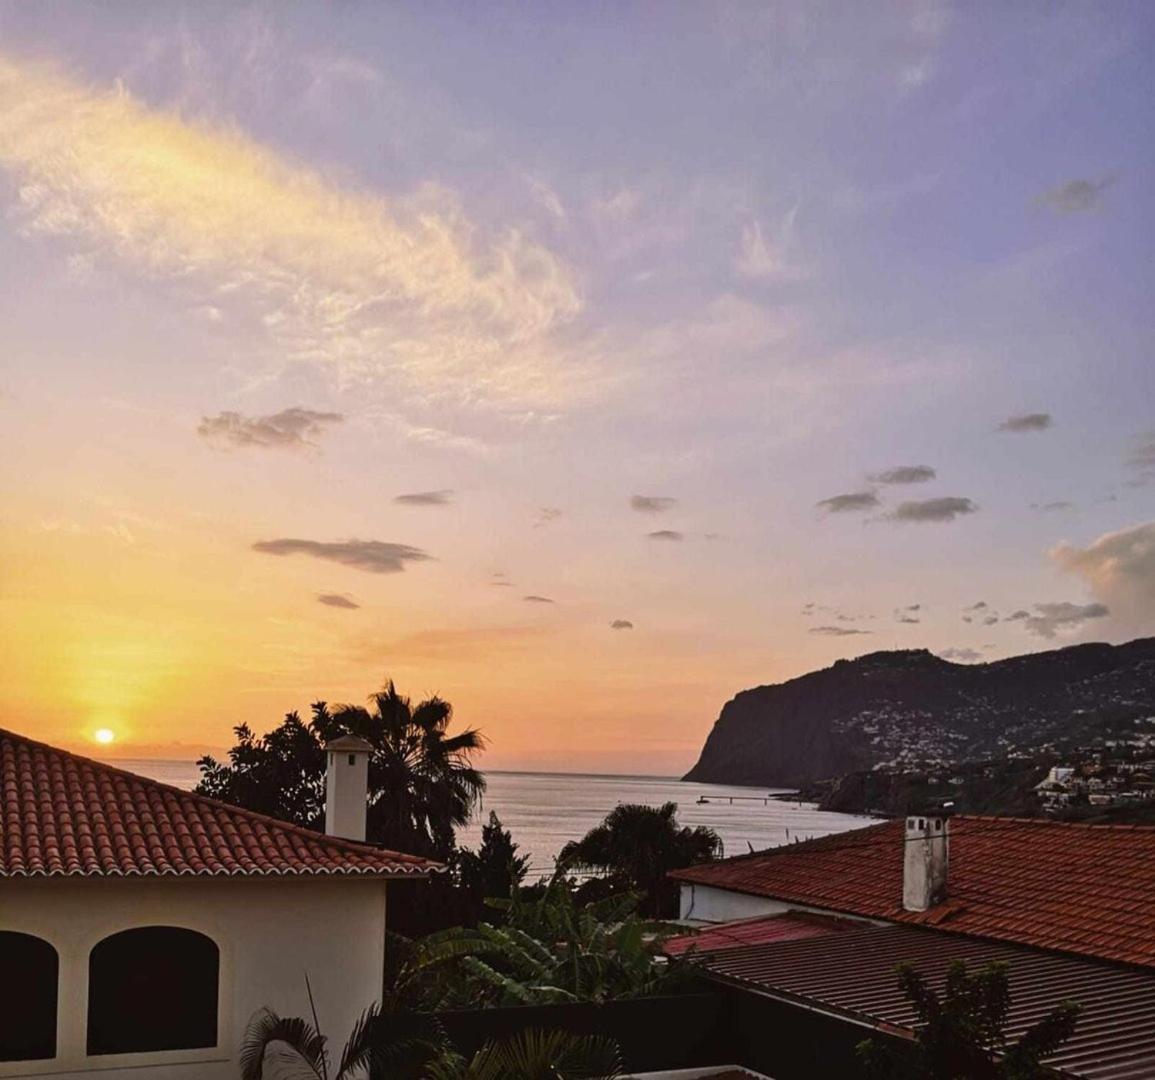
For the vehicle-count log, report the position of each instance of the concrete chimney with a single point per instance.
(347, 787)
(926, 857)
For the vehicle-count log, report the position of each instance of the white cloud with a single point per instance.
(762, 256)
(1119, 568)
(405, 289)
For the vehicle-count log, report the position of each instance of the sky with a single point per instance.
(582, 364)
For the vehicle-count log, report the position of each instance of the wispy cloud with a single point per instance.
(835, 631)
(337, 600)
(442, 497)
(966, 656)
(372, 556)
(1076, 196)
(946, 508)
(651, 504)
(1048, 619)
(763, 255)
(1053, 507)
(621, 624)
(289, 429)
(666, 534)
(546, 515)
(537, 599)
(1142, 456)
(904, 474)
(1035, 421)
(406, 289)
(850, 503)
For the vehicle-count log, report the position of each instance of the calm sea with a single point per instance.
(545, 810)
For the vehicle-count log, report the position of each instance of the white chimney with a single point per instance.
(347, 787)
(926, 857)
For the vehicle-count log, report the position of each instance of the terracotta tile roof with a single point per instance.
(1087, 889)
(791, 926)
(853, 975)
(65, 815)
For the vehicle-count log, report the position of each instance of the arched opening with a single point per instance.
(30, 971)
(152, 988)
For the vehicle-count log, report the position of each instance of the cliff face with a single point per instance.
(910, 709)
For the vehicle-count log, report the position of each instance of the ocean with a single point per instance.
(544, 811)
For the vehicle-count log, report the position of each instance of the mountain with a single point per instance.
(909, 710)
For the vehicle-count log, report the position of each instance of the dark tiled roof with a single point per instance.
(791, 926)
(1087, 889)
(853, 975)
(65, 815)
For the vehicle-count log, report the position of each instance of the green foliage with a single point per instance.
(495, 870)
(636, 846)
(536, 1055)
(422, 783)
(550, 949)
(960, 1032)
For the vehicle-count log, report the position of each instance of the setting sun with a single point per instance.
(104, 736)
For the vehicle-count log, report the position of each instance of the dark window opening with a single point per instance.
(152, 988)
(352, 759)
(30, 976)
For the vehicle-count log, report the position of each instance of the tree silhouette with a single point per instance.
(961, 1032)
(636, 847)
(422, 783)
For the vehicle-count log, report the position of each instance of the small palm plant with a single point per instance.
(536, 1055)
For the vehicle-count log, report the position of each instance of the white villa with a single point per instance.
(141, 926)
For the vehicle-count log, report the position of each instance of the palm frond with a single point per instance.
(265, 1028)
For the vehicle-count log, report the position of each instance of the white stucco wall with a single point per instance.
(707, 904)
(270, 932)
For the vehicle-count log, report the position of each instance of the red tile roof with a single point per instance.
(62, 815)
(853, 975)
(791, 926)
(1087, 889)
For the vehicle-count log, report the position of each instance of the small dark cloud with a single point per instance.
(372, 556)
(835, 631)
(913, 607)
(908, 619)
(945, 508)
(537, 599)
(426, 498)
(1017, 616)
(651, 504)
(621, 624)
(545, 515)
(337, 600)
(1034, 421)
(666, 534)
(1049, 619)
(990, 620)
(904, 474)
(290, 429)
(502, 584)
(966, 656)
(980, 606)
(1053, 507)
(1076, 196)
(850, 503)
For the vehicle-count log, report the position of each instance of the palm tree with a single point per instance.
(637, 846)
(414, 1046)
(536, 1055)
(422, 783)
(422, 779)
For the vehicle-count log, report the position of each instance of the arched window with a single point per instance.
(152, 988)
(29, 972)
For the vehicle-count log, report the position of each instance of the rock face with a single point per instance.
(910, 710)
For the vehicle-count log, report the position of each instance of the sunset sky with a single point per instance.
(584, 364)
